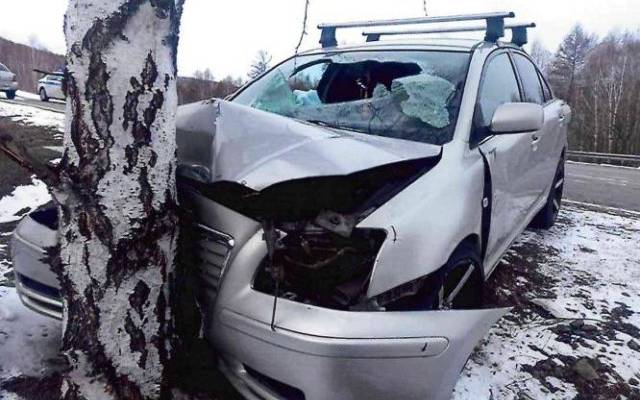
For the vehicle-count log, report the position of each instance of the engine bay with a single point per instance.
(317, 266)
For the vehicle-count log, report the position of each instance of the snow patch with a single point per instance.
(27, 95)
(12, 207)
(29, 343)
(589, 289)
(32, 116)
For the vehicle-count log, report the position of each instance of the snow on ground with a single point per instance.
(23, 200)
(32, 116)
(575, 328)
(29, 343)
(27, 95)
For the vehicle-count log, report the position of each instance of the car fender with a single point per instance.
(427, 221)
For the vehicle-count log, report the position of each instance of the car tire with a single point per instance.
(462, 283)
(439, 285)
(547, 217)
(11, 94)
(43, 95)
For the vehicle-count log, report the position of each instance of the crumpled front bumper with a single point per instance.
(317, 353)
(341, 355)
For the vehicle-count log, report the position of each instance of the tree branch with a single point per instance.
(20, 155)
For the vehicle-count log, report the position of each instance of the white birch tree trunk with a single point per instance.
(117, 197)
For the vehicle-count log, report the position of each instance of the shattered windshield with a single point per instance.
(412, 95)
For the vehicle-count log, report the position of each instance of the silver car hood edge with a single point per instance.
(223, 141)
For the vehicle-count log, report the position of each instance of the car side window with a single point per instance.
(530, 80)
(3, 68)
(499, 85)
(548, 95)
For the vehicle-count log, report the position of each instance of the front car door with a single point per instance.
(509, 157)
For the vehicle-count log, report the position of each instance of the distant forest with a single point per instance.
(600, 79)
(22, 60)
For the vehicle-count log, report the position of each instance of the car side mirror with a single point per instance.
(517, 118)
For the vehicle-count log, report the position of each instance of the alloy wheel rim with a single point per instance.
(558, 188)
(446, 300)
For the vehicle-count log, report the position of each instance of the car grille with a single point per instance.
(212, 250)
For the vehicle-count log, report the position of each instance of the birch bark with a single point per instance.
(117, 197)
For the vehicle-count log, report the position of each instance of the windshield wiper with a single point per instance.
(330, 126)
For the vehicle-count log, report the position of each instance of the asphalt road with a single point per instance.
(603, 185)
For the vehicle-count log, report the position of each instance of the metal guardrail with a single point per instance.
(629, 160)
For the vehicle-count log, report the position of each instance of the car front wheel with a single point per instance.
(43, 95)
(462, 281)
(11, 94)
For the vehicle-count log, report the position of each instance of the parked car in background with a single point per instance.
(50, 87)
(370, 191)
(8, 82)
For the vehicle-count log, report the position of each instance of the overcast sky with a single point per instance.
(225, 35)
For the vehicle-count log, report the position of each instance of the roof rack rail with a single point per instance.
(494, 28)
(519, 35)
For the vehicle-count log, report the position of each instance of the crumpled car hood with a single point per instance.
(223, 141)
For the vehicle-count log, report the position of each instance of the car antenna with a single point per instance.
(271, 236)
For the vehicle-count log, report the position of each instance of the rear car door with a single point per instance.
(509, 157)
(545, 148)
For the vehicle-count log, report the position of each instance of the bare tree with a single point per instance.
(601, 79)
(610, 99)
(541, 55)
(205, 75)
(36, 43)
(117, 197)
(569, 61)
(260, 64)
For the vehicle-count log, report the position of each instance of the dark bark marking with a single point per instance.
(139, 297)
(83, 225)
(159, 342)
(141, 130)
(137, 341)
(97, 94)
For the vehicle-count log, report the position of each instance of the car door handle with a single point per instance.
(535, 138)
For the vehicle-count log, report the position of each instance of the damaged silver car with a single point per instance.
(348, 207)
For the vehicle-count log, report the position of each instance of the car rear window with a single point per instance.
(412, 95)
